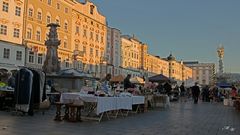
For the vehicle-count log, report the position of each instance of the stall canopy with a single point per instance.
(224, 85)
(137, 80)
(118, 78)
(74, 73)
(160, 78)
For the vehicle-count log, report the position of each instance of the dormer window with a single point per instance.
(91, 9)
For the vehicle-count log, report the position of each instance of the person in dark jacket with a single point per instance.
(167, 88)
(127, 83)
(195, 92)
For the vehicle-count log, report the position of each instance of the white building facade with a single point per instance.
(113, 51)
(203, 73)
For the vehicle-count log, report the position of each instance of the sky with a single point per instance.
(191, 29)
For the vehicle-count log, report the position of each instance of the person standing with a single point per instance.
(195, 92)
(234, 92)
(105, 83)
(167, 88)
(127, 83)
(182, 92)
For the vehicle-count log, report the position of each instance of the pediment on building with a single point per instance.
(16, 24)
(19, 2)
(4, 21)
(77, 40)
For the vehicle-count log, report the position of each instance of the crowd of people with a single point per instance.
(205, 93)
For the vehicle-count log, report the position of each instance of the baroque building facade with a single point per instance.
(203, 73)
(39, 13)
(12, 52)
(89, 36)
(113, 51)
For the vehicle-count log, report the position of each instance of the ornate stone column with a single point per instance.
(51, 63)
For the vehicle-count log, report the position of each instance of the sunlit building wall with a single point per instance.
(113, 51)
(203, 73)
(131, 54)
(12, 51)
(89, 36)
(39, 13)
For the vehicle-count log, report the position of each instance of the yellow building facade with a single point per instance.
(131, 52)
(156, 65)
(39, 13)
(82, 32)
(89, 35)
(11, 27)
(177, 70)
(11, 20)
(187, 73)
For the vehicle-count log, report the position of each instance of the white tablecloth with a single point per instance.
(124, 103)
(138, 100)
(103, 103)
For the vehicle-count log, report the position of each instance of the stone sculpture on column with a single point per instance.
(51, 63)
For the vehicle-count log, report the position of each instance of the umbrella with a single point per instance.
(224, 85)
(118, 78)
(137, 80)
(160, 78)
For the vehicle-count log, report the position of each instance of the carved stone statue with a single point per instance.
(51, 63)
(220, 52)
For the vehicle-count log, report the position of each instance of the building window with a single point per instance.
(38, 36)
(67, 64)
(6, 53)
(48, 19)
(30, 12)
(39, 16)
(19, 55)
(18, 11)
(91, 35)
(49, 2)
(40, 58)
(65, 44)
(85, 33)
(66, 26)
(3, 30)
(101, 39)
(29, 33)
(91, 67)
(97, 37)
(66, 10)
(91, 51)
(31, 57)
(96, 53)
(76, 46)
(77, 30)
(84, 49)
(16, 33)
(91, 9)
(58, 6)
(5, 7)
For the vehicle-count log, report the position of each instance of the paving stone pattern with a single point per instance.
(179, 119)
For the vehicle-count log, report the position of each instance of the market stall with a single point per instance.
(102, 105)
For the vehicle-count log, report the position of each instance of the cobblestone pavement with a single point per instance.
(178, 119)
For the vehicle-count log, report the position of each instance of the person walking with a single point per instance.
(195, 92)
(182, 92)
